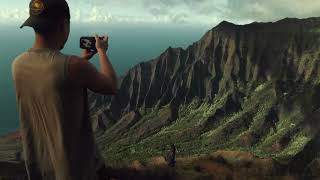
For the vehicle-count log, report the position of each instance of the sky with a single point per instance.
(191, 12)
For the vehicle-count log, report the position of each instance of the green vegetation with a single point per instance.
(234, 131)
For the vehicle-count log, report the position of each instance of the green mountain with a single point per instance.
(248, 87)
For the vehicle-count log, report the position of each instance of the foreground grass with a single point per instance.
(231, 165)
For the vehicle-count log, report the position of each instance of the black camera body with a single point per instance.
(88, 42)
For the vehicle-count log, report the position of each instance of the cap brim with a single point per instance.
(28, 22)
(34, 22)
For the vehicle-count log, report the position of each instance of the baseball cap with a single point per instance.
(43, 11)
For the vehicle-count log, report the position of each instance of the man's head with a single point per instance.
(50, 19)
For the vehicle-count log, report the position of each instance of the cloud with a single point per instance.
(205, 12)
(13, 15)
(155, 11)
(270, 10)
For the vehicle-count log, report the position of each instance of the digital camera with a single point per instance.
(88, 43)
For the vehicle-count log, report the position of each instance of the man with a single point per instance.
(171, 156)
(51, 93)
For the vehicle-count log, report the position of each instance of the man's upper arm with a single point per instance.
(84, 74)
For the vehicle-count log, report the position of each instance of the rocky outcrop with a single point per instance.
(227, 57)
(11, 137)
(240, 86)
(312, 171)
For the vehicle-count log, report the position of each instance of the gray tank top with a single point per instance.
(57, 136)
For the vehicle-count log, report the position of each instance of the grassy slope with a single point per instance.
(235, 131)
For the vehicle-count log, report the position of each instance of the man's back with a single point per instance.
(56, 132)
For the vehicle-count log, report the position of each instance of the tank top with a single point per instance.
(57, 137)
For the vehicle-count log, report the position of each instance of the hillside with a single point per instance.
(240, 87)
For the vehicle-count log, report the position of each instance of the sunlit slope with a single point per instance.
(253, 87)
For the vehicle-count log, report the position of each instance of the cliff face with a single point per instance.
(252, 86)
(226, 57)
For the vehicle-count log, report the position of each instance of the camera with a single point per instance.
(89, 43)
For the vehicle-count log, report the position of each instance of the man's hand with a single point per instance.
(102, 44)
(87, 54)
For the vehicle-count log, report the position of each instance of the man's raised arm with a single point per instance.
(83, 73)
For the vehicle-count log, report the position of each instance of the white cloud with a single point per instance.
(271, 10)
(205, 12)
(13, 15)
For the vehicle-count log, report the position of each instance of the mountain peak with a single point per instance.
(231, 88)
(225, 24)
(238, 51)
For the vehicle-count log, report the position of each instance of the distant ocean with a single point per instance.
(128, 45)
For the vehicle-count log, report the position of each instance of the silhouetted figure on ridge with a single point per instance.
(171, 156)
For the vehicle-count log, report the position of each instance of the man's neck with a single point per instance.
(42, 42)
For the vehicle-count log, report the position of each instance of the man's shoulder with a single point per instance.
(16, 63)
(77, 63)
(81, 70)
(21, 55)
(62, 54)
(18, 59)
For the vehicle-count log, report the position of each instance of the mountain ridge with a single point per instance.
(251, 87)
(175, 58)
